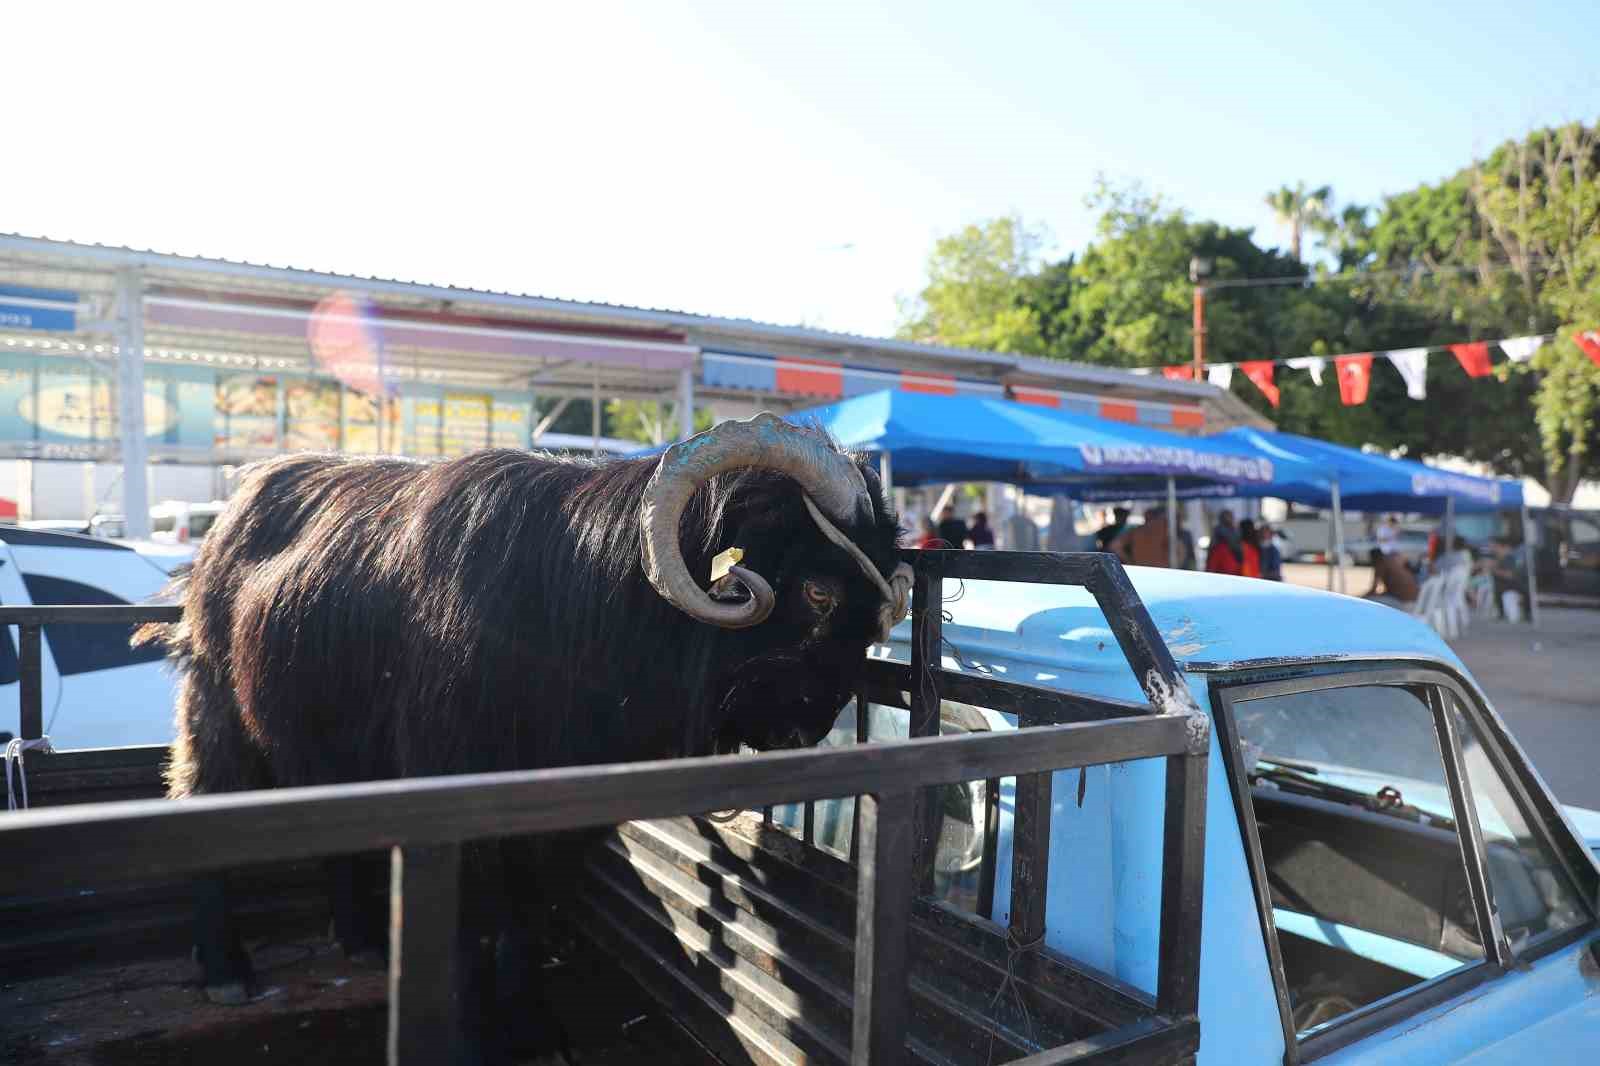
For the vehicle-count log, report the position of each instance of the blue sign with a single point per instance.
(22, 308)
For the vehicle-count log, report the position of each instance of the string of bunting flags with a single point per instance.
(1355, 369)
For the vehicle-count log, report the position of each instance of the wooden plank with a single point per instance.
(1030, 856)
(883, 928)
(927, 628)
(1038, 568)
(424, 912)
(1182, 887)
(69, 846)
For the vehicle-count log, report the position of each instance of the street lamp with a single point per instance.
(1199, 270)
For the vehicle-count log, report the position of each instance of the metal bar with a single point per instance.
(110, 614)
(1469, 833)
(30, 677)
(1042, 706)
(1030, 856)
(1172, 523)
(130, 403)
(991, 847)
(927, 626)
(686, 403)
(863, 735)
(1182, 886)
(1148, 1042)
(883, 926)
(886, 474)
(143, 838)
(1530, 541)
(1338, 535)
(594, 410)
(424, 912)
(550, 419)
(1139, 639)
(808, 826)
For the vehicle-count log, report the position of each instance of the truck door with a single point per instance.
(14, 593)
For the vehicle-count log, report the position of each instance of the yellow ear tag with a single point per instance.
(725, 562)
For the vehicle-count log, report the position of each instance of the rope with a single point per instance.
(1015, 949)
(14, 750)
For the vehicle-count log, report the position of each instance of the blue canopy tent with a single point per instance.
(1363, 481)
(924, 439)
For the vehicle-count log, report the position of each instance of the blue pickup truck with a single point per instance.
(1383, 876)
(1355, 910)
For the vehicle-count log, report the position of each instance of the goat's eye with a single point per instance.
(818, 595)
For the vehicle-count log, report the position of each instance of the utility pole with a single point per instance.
(1199, 270)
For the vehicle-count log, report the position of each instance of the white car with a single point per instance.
(178, 522)
(98, 691)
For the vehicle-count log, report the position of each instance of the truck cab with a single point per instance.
(1379, 852)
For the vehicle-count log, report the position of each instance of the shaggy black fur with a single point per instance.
(356, 619)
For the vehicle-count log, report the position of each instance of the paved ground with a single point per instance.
(1544, 682)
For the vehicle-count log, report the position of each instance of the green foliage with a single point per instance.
(650, 422)
(976, 280)
(1506, 247)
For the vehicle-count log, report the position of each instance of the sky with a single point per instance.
(789, 163)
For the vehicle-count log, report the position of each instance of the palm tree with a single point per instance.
(1298, 208)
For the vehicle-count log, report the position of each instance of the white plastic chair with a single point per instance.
(1452, 606)
(1427, 602)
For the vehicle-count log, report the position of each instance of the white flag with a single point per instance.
(1314, 363)
(1220, 374)
(1413, 366)
(1521, 349)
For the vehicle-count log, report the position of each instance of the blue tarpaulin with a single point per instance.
(934, 439)
(1369, 482)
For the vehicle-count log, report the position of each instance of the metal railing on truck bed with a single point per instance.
(425, 821)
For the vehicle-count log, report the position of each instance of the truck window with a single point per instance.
(1358, 837)
(200, 525)
(163, 524)
(78, 649)
(1531, 891)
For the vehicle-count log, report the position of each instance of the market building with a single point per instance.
(237, 361)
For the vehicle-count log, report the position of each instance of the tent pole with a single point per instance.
(886, 474)
(1338, 537)
(1530, 559)
(1172, 523)
(1450, 525)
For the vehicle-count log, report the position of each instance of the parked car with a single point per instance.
(1568, 550)
(98, 691)
(178, 522)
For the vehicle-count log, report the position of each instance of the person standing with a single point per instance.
(1271, 554)
(1249, 550)
(1107, 534)
(952, 530)
(1225, 554)
(1146, 545)
(981, 536)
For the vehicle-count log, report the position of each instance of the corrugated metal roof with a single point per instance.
(118, 256)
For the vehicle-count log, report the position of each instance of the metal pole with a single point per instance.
(1199, 331)
(130, 401)
(686, 403)
(1449, 525)
(886, 474)
(1172, 523)
(1530, 558)
(1338, 535)
(594, 410)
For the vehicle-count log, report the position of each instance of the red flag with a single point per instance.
(1474, 358)
(1260, 374)
(1589, 341)
(1355, 374)
(1178, 373)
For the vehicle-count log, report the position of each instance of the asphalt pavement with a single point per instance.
(1544, 682)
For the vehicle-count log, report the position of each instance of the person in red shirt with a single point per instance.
(1249, 550)
(1223, 555)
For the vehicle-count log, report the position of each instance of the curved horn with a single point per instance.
(765, 441)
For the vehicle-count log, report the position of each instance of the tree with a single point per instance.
(650, 421)
(974, 297)
(1298, 209)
